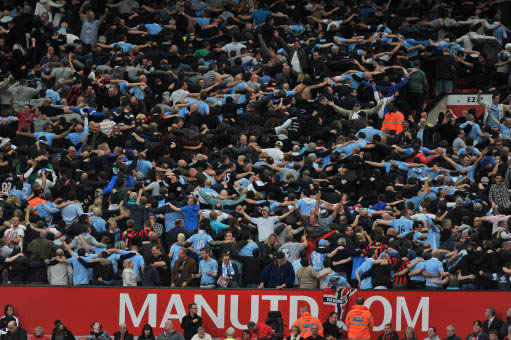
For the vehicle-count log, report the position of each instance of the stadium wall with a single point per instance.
(78, 308)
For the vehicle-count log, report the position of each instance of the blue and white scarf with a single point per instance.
(227, 270)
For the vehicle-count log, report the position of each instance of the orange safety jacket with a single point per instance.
(393, 121)
(359, 322)
(35, 201)
(305, 322)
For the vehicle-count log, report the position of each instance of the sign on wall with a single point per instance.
(78, 308)
(463, 102)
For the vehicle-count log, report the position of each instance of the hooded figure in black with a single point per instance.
(60, 332)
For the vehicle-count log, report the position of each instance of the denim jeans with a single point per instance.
(443, 86)
(468, 286)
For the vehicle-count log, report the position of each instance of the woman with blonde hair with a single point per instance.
(129, 276)
(409, 334)
(124, 211)
(98, 203)
(270, 248)
(13, 200)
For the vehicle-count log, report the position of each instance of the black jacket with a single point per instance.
(189, 327)
(302, 53)
(496, 325)
(151, 277)
(380, 275)
(103, 270)
(4, 320)
(20, 334)
(445, 67)
(67, 334)
(332, 329)
(393, 336)
(256, 264)
(127, 336)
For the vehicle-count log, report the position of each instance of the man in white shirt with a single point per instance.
(266, 223)
(180, 95)
(16, 232)
(233, 46)
(276, 152)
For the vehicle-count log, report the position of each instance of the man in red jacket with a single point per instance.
(262, 330)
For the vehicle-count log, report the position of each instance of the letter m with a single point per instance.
(402, 309)
(149, 303)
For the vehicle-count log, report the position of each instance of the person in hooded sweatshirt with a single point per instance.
(8, 317)
(61, 332)
(97, 332)
(22, 93)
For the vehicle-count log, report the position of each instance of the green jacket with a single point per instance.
(418, 83)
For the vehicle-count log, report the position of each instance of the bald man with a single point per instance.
(60, 273)
(14, 332)
(123, 333)
(169, 333)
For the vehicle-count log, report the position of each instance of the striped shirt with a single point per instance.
(400, 265)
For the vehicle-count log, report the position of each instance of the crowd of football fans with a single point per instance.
(244, 143)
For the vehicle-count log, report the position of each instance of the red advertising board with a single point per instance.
(220, 309)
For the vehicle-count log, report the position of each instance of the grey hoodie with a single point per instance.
(22, 93)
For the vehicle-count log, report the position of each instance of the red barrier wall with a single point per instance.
(79, 307)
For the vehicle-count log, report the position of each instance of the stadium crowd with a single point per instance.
(254, 144)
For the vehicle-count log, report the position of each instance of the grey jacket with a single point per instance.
(175, 335)
(104, 336)
(60, 274)
(5, 96)
(22, 93)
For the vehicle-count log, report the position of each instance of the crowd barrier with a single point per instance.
(79, 307)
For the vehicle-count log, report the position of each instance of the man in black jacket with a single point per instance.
(123, 333)
(191, 322)
(14, 333)
(451, 333)
(380, 273)
(388, 333)
(491, 322)
(330, 326)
